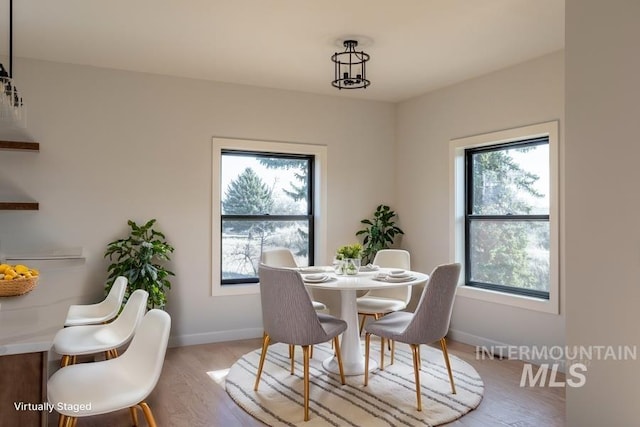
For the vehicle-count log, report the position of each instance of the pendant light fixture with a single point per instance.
(13, 112)
(350, 67)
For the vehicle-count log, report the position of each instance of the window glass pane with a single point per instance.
(243, 241)
(510, 253)
(259, 185)
(511, 181)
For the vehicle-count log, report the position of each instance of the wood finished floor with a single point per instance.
(187, 396)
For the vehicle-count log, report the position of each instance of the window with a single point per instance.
(505, 216)
(266, 203)
(264, 195)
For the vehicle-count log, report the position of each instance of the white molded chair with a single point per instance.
(114, 384)
(429, 323)
(101, 312)
(288, 317)
(91, 339)
(378, 302)
(284, 258)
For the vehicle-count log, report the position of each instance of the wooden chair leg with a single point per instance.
(367, 341)
(292, 356)
(393, 351)
(364, 318)
(62, 420)
(148, 415)
(305, 352)
(134, 415)
(265, 345)
(443, 344)
(65, 362)
(382, 353)
(416, 370)
(336, 343)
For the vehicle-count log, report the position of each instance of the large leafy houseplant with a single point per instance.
(380, 232)
(138, 258)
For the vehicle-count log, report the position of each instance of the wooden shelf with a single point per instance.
(19, 206)
(19, 145)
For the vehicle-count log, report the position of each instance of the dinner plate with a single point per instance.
(391, 279)
(316, 278)
(397, 272)
(307, 270)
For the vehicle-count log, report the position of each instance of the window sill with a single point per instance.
(238, 289)
(520, 301)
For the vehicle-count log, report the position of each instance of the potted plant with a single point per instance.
(380, 232)
(349, 257)
(138, 258)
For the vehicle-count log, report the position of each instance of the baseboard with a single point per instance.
(218, 336)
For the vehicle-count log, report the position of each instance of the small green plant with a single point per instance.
(380, 233)
(349, 251)
(138, 259)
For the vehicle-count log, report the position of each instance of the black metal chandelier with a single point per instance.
(350, 67)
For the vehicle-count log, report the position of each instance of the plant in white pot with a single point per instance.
(140, 258)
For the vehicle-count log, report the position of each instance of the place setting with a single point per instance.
(394, 276)
(316, 278)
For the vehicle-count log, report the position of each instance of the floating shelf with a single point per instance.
(19, 146)
(19, 206)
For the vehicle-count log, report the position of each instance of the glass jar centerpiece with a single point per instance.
(349, 259)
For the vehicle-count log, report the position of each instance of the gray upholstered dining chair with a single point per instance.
(288, 317)
(378, 302)
(429, 323)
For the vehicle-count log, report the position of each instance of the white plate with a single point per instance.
(307, 270)
(316, 278)
(397, 272)
(390, 279)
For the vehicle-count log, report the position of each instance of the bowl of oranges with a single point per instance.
(17, 279)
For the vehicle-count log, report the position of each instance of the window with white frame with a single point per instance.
(505, 222)
(265, 196)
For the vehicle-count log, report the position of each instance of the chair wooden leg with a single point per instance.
(305, 352)
(367, 341)
(134, 415)
(443, 344)
(292, 356)
(416, 369)
(265, 345)
(148, 415)
(364, 317)
(419, 357)
(336, 343)
(62, 420)
(393, 351)
(65, 361)
(382, 353)
(311, 352)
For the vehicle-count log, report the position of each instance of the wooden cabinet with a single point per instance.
(23, 379)
(19, 146)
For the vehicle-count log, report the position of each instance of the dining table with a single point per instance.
(348, 286)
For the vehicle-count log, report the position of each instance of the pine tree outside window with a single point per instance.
(266, 202)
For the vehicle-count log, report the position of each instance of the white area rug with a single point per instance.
(388, 400)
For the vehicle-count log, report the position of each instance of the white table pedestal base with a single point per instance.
(350, 347)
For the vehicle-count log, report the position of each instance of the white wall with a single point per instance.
(118, 145)
(525, 94)
(603, 204)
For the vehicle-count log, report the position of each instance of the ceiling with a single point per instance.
(415, 45)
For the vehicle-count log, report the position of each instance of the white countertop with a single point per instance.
(29, 322)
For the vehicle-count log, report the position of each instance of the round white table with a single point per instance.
(352, 355)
